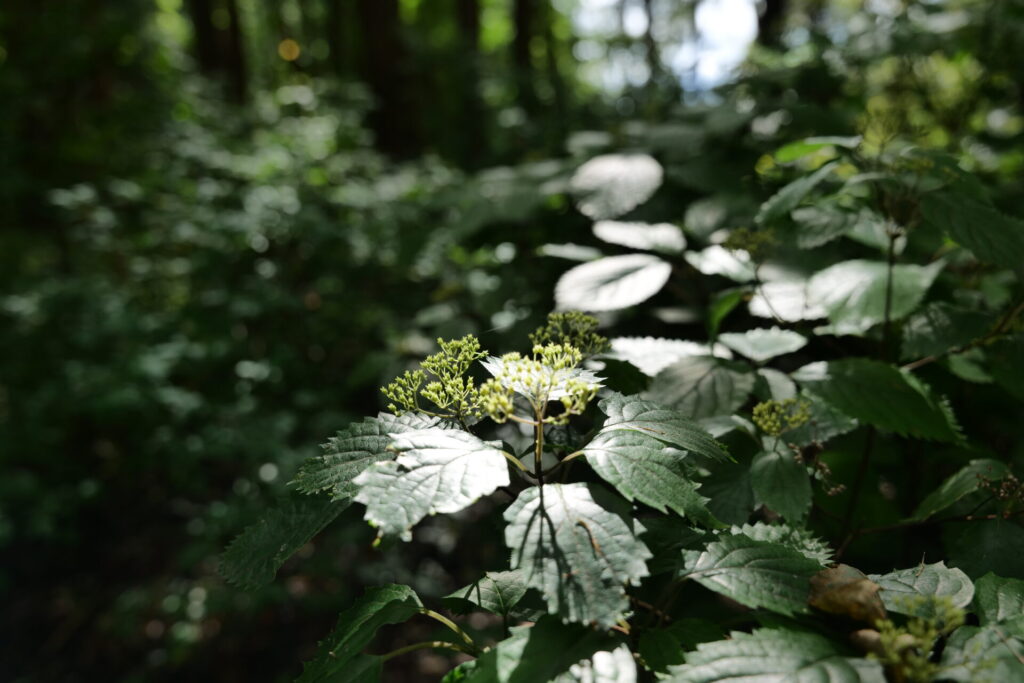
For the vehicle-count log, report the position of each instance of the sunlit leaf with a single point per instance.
(763, 344)
(653, 419)
(611, 283)
(663, 237)
(496, 592)
(610, 185)
(734, 264)
(653, 354)
(928, 580)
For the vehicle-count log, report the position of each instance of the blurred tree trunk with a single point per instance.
(383, 59)
(771, 22)
(219, 48)
(557, 125)
(524, 19)
(341, 37)
(467, 20)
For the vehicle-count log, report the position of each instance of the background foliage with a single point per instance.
(226, 223)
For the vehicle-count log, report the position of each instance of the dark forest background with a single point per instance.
(225, 223)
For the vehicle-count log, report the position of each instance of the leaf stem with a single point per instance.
(558, 465)
(515, 461)
(454, 627)
(423, 645)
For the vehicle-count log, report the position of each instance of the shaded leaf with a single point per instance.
(963, 483)
(577, 545)
(992, 236)
(652, 419)
(998, 599)
(939, 327)
(986, 654)
(357, 626)
(253, 558)
(821, 223)
(611, 283)
(641, 467)
(988, 546)
(790, 196)
(775, 655)
(436, 471)
(496, 592)
(801, 148)
(881, 395)
(703, 386)
(782, 484)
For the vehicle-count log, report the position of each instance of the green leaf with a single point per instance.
(353, 450)
(826, 423)
(929, 580)
(663, 237)
(616, 666)
(728, 487)
(496, 592)
(722, 304)
(763, 344)
(785, 300)
(801, 148)
(790, 196)
(1006, 362)
(782, 484)
(537, 653)
(734, 264)
(610, 185)
(998, 599)
(577, 545)
(776, 655)
(939, 327)
(356, 627)
(821, 223)
(987, 654)
(436, 471)
(988, 546)
(800, 540)
(853, 293)
(754, 573)
(641, 467)
(992, 236)
(881, 395)
(660, 649)
(963, 483)
(774, 385)
(653, 419)
(254, 557)
(703, 386)
(653, 354)
(611, 283)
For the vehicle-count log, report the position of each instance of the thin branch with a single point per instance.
(454, 627)
(423, 645)
(1000, 329)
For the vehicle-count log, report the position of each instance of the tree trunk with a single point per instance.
(771, 22)
(524, 20)
(393, 118)
(472, 145)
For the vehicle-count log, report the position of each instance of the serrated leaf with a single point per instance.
(663, 237)
(753, 573)
(728, 487)
(436, 471)
(776, 656)
(653, 419)
(992, 236)
(801, 148)
(616, 666)
(734, 264)
(928, 580)
(611, 283)
(793, 537)
(356, 627)
(253, 558)
(641, 467)
(881, 395)
(988, 546)
(653, 354)
(963, 483)
(826, 422)
(987, 654)
(998, 599)
(702, 386)
(763, 344)
(354, 449)
(854, 293)
(610, 185)
(939, 327)
(537, 653)
(790, 196)
(577, 545)
(496, 592)
(782, 484)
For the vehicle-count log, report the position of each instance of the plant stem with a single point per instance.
(454, 627)
(887, 324)
(515, 461)
(422, 645)
(538, 444)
